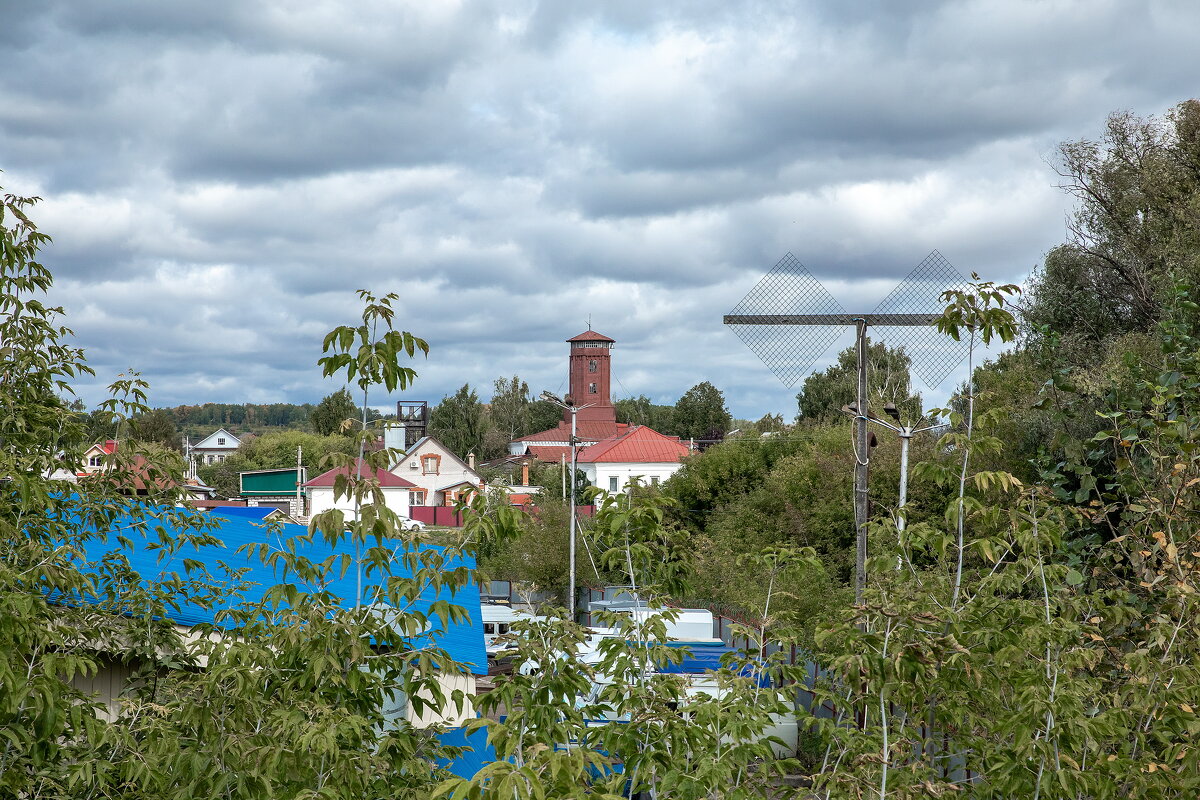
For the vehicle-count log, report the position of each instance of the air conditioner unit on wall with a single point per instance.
(412, 465)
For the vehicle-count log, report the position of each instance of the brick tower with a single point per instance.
(591, 354)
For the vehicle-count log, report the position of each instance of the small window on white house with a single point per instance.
(654, 480)
(220, 442)
(95, 461)
(416, 498)
(429, 465)
(612, 483)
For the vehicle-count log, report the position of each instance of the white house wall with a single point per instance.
(321, 499)
(450, 470)
(600, 474)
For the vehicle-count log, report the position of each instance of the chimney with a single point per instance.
(525, 472)
(471, 461)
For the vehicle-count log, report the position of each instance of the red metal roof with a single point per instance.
(586, 431)
(549, 452)
(638, 445)
(386, 479)
(591, 336)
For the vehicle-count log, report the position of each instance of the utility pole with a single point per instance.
(861, 323)
(300, 476)
(862, 460)
(568, 404)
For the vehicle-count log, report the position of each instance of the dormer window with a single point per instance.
(220, 442)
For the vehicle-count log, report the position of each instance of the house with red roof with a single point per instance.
(98, 457)
(639, 452)
(394, 488)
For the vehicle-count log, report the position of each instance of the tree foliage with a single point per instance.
(334, 414)
(641, 411)
(1135, 231)
(700, 413)
(460, 422)
(825, 393)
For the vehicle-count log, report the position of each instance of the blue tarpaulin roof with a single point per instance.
(462, 640)
(480, 755)
(256, 513)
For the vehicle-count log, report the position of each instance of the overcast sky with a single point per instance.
(220, 176)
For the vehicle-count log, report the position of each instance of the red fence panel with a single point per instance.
(436, 515)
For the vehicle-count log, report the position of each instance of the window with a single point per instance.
(612, 483)
(591, 388)
(220, 442)
(95, 461)
(416, 498)
(429, 464)
(654, 480)
(593, 365)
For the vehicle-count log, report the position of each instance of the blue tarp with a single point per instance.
(463, 641)
(471, 761)
(256, 513)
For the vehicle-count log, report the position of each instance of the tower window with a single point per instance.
(593, 365)
(591, 388)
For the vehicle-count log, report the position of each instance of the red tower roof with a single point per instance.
(591, 336)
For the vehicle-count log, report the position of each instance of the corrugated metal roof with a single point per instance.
(586, 431)
(463, 641)
(545, 452)
(387, 480)
(638, 445)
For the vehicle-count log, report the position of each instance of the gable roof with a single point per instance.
(107, 447)
(462, 640)
(387, 480)
(587, 431)
(419, 443)
(638, 445)
(591, 336)
(204, 443)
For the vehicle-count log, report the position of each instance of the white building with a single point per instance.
(214, 448)
(437, 476)
(639, 452)
(320, 490)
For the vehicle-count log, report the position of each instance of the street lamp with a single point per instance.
(906, 433)
(568, 404)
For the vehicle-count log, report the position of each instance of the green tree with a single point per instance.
(460, 422)
(543, 415)
(641, 411)
(333, 414)
(509, 407)
(158, 427)
(1134, 232)
(700, 413)
(824, 393)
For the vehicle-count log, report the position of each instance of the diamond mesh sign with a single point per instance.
(789, 320)
(932, 354)
(788, 350)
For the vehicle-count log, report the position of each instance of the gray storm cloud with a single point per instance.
(219, 177)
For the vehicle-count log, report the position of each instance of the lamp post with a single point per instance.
(906, 433)
(568, 404)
